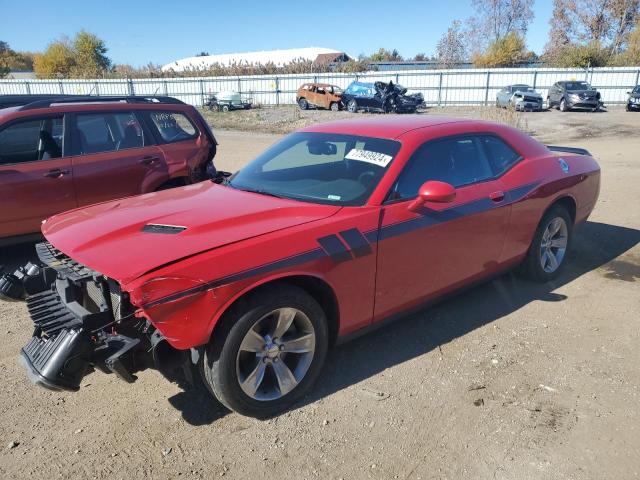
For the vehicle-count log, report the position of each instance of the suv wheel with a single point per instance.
(352, 106)
(303, 104)
(269, 352)
(563, 106)
(551, 242)
(334, 106)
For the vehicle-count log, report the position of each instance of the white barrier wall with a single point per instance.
(439, 87)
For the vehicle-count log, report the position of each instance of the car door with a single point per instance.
(114, 156)
(35, 175)
(442, 246)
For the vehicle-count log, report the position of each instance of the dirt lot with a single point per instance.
(511, 380)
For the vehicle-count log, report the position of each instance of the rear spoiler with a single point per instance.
(577, 151)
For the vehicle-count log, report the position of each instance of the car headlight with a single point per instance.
(574, 96)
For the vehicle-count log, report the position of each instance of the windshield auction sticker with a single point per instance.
(368, 156)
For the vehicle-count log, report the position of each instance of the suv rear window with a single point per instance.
(31, 140)
(106, 132)
(173, 126)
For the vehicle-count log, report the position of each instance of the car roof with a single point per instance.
(391, 126)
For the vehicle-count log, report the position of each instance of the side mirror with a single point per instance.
(433, 191)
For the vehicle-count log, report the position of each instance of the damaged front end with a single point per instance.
(83, 321)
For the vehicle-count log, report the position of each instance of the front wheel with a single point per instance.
(563, 106)
(268, 352)
(352, 106)
(551, 242)
(334, 106)
(303, 104)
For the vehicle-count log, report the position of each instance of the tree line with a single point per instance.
(582, 33)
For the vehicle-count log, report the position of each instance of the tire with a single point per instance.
(352, 106)
(533, 263)
(225, 108)
(334, 107)
(303, 104)
(254, 318)
(563, 106)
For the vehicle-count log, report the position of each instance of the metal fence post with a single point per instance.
(27, 87)
(277, 82)
(637, 77)
(61, 87)
(201, 91)
(535, 79)
(440, 89)
(132, 91)
(486, 91)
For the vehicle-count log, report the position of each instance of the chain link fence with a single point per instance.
(439, 87)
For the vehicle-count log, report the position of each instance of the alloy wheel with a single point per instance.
(553, 245)
(275, 354)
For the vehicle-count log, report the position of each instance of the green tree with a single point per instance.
(507, 51)
(7, 59)
(90, 55)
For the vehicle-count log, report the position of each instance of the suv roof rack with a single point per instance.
(100, 99)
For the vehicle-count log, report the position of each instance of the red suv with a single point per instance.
(58, 154)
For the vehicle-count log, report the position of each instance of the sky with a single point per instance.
(137, 32)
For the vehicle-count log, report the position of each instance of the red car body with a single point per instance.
(31, 191)
(397, 258)
(184, 258)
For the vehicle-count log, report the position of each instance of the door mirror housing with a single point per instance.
(433, 191)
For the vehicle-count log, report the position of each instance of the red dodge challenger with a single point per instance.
(332, 230)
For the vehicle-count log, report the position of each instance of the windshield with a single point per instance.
(327, 168)
(578, 86)
(522, 88)
(637, 89)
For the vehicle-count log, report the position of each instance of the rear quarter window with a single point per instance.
(173, 126)
(500, 155)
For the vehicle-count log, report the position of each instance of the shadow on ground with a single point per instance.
(596, 246)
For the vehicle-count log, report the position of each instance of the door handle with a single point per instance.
(149, 160)
(56, 173)
(497, 196)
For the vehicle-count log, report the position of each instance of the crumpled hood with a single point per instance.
(126, 238)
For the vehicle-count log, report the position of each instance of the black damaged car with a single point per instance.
(380, 97)
(633, 102)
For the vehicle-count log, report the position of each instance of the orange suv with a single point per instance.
(62, 153)
(320, 95)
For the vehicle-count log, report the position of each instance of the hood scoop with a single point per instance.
(161, 228)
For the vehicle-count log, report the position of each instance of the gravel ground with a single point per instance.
(510, 380)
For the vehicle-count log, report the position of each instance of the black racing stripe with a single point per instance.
(356, 241)
(335, 248)
(298, 259)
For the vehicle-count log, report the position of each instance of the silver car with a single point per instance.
(521, 97)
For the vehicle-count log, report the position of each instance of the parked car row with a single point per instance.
(564, 95)
(359, 96)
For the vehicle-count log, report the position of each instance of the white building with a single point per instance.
(278, 57)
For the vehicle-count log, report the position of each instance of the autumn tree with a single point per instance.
(507, 51)
(384, 55)
(83, 57)
(7, 56)
(451, 49)
(495, 19)
(57, 60)
(595, 31)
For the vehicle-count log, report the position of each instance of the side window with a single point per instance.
(173, 126)
(501, 156)
(31, 140)
(106, 132)
(457, 160)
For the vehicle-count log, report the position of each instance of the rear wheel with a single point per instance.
(303, 104)
(551, 242)
(269, 351)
